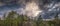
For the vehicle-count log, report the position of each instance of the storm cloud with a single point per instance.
(45, 8)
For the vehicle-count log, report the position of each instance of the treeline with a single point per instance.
(14, 19)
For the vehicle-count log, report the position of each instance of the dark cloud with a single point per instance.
(51, 8)
(45, 5)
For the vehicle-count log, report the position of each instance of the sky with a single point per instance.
(49, 9)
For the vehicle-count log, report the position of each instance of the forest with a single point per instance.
(14, 19)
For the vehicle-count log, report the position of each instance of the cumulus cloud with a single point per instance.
(32, 9)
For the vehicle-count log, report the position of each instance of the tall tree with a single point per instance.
(57, 20)
(9, 19)
(39, 20)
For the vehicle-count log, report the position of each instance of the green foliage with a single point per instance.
(14, 19)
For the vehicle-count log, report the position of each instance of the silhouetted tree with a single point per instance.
(39, 20)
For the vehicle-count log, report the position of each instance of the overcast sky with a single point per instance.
(49, 12)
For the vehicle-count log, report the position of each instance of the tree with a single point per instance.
(9, 19)
(39, 21)
(57, 20)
